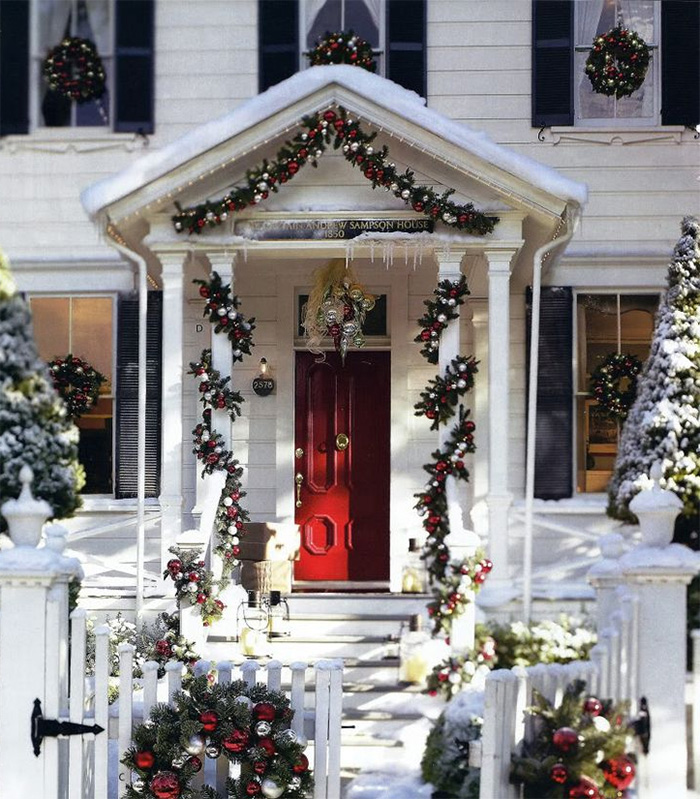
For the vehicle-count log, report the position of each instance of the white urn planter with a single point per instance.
(657, 509)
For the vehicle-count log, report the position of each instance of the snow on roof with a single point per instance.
(386, 93)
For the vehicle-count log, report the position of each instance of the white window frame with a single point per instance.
(654, 72)
(581, 392)
(379, 51)
(112, 396)
(38, 52)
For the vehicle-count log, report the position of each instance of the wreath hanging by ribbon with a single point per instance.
(77, 383)
(74, 69)
(614, 384)
(344, 47)
(618, 62)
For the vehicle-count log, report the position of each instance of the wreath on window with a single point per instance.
(77, 383)
(618, 62)
(345, 47)
(246, 724)
(74, 69)
(614, 383)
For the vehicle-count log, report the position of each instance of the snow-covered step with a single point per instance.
(314, 624)
(375, 604)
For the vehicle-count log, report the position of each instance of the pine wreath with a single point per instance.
(74, 69)
(245, 724)
(614, 383)
(618, 62)
(344, 47)
(77, 383)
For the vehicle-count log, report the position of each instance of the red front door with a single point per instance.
(342, 465)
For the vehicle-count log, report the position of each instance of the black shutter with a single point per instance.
(133, 78)
(552, 62)
(127, 395)
(406, 44)
(278, 46)
(680, 62)
(14, 67)
(554, 438)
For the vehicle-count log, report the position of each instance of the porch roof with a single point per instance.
(156, 179)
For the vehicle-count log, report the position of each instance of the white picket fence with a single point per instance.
(93, 768)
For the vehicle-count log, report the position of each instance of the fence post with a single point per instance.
(658, 574)
(605, 576)
(27, 577)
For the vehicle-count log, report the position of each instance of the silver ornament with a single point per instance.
(461, 383)
(271, 789)
(287, 737)
(138, 785)
(195, 745)
(221, 311)
(405, 194)
(349, 328)
(179, 761)
(295, 783)
(213, 751)
(442, 318)
(245, 701)
(263, 729)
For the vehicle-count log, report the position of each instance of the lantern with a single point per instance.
(279, 625)
(415, 661)
(413, 575)
(252, 624)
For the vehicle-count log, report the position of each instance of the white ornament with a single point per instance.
(271, 789)
(195, 745)
(405, 194)
(192, 587)
(263, 729)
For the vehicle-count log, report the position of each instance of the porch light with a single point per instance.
(263, 384)
(252, 625)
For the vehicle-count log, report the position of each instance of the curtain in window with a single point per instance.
(53, 22)
(98, 17)
(332, 17)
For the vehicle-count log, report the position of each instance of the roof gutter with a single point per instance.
(571, 217)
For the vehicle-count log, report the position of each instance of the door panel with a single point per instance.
(342, 426)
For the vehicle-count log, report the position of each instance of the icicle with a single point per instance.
(371, 250)
(245, 250)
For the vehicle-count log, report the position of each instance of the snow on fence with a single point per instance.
(94, 771)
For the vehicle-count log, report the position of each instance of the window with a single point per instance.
(123, 33)
(605, 324)
(55, 20)
(84, 326)
(562, 32)
(396, 29)
(375, 326)
(595, 17)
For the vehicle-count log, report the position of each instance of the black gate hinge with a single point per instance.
(52, 728)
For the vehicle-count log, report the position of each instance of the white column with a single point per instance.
(172, 434)
(499, 498)
(461, 542)
(480, 414)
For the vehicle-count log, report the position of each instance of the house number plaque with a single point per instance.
(263, 386)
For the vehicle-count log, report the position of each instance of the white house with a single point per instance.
(588, 192)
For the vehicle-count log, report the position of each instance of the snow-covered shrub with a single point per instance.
(445, 763)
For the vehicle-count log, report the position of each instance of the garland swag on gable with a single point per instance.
(451, 580)
(334, 127)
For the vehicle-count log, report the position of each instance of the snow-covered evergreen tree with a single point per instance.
(34, 426)
(664, 421)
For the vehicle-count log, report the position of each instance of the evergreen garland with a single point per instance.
(443, 393)
(450, 294)
(195, 583)
(334, 127)
(209, 446)
(579, 749)
(248, 725)
(222, 311)
(214, 390)
(230, 519)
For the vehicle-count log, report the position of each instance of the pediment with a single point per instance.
(208, 161)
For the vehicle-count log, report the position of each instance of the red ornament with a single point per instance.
(565, 739)
(210, 720)
(584, 789)
(267, 745)
(559, 773)
(593, 706)
(260, 766)
(301, 765)
(619, 772)
(162, 648)
(195, 763)
(175, 566)
(165, 785)
(237, 741)
(144, 760)
(253, 788)
(264, 711)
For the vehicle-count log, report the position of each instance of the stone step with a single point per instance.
(315, 624)
(365, 604)
(297, 648)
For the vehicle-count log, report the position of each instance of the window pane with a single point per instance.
(320, 20)
(358, 17)
(50, 318)
(92, 334)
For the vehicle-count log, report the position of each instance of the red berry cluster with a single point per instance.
(334, 127)
(74, 69)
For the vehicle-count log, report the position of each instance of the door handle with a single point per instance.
(298, 479)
